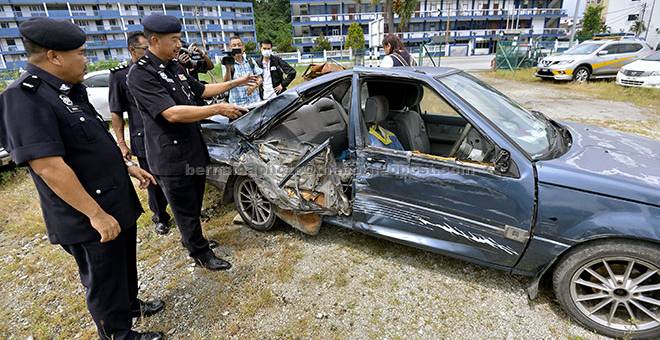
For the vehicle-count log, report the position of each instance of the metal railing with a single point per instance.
(368, 16)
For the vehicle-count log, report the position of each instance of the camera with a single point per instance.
(194, 56)
(228, 59)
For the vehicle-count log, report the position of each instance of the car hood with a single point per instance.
(607, 162)
(260, 116)
(643, 65)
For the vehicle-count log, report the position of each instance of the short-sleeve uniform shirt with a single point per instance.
(44, 116)
(172, 148)
(120, 101)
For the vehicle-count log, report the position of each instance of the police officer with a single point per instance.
(121, 101)
(87, 198)
(166, 95)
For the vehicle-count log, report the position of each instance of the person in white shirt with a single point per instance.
(395, 53)
(278, 74)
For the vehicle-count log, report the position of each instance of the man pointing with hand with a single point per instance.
(166, 97)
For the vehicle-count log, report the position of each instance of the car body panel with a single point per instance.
(562, 66)
(465, 210)
(97, 92)
(640, 73)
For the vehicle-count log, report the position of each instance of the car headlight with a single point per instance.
(654, 73)
(565, 62)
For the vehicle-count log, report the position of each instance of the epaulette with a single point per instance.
(117, 68)
(143, 61)
(31, 83)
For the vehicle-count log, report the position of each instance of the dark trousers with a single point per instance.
(109, 272)
(157, 200)
(185, 194)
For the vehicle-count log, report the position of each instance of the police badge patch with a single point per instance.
(66, 100)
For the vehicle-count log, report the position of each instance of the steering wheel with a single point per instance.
(461, 140)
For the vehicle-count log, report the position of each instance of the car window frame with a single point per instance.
(95, 77)
(431, 159)
(616, 45)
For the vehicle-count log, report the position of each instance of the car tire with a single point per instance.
(255, 210)
(581, 74)
(590, 276)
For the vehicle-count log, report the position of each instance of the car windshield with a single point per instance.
(584, 48)
(528, 130)
(653, 57)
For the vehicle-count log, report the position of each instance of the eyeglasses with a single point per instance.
(140, 47)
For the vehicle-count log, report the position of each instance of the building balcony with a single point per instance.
(59, 13)
(4, 14)
(103, 29)
(12, 50)
(333, 39)
(239, 28)
(27, 15)
(329, 19)
(9, 32)
(105, 44)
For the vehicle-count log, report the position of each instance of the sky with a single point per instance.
(569, 6)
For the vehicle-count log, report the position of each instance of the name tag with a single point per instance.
(182, 77)
(273, 68)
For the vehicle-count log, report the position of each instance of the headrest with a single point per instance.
(325, 104)
(376, 109)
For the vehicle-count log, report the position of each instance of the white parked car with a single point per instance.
(5, 158)
(97, 91)
(641, 73)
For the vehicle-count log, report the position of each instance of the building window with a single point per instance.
(4, 25)
(633, 17)
(11, 42)
(131, 22)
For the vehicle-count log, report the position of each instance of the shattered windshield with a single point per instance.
(526, 129)
(261, 115)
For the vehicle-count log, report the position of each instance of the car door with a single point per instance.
(455, 207)
(607, 60)
(97, 92)
(628, 52)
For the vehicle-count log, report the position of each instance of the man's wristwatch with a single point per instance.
(130, 164)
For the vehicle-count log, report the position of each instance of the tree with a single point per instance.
(321, 43)
(592, 22)
(272, 20)
(388, 14)
(250, 47)
(284, 43)
(638, 27)
(404, 9)
(355, 38)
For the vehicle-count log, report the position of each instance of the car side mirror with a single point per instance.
(503, 161)
(602, 53)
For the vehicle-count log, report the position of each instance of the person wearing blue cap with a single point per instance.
(88, 201)
(166, 96)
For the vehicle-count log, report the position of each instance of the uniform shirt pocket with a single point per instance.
(83, 128)
(172, 147)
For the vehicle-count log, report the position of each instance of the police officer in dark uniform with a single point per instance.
(87, 198)
(166, 96)
(121, 101)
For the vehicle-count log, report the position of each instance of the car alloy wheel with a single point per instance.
(612, 287)
(618, 292)
(581, 75)
(251, 204)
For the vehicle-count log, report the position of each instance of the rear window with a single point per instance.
(99, 80)
(629, 48)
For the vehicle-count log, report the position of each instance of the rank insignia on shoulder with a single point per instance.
(31, 83)
(142, 61)
(119, 67)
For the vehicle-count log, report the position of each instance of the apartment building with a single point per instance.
(475, 24)
(107, 23)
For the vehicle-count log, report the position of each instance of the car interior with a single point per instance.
(421, 120)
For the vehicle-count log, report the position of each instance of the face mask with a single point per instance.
(267, 53)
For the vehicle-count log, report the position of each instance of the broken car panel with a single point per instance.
(479, 177)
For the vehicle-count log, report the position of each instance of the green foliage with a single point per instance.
(405, 9)
(321, 43)
(250, 47)
(102, 65)
(273, 22)
(592, 23)
(638, 27)
(355, 38)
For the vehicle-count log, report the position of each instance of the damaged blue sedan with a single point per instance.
(436, 159)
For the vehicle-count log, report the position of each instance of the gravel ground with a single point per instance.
(339, 284)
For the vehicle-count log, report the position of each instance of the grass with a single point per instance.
(601, 89)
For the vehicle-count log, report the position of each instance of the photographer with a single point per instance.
(275, 70)
(195, 60)
(237, 66)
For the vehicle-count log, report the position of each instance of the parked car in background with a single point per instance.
(5, 158)
(641, 73)
(97, 84)
(592, 59)
(476, 176)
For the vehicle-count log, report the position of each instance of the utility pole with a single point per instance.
(640, 20)
(575, 15)
(648, 27)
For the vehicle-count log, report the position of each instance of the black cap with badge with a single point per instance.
(58, 35)
(161, 23)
